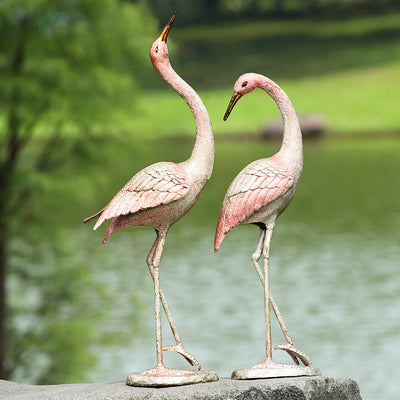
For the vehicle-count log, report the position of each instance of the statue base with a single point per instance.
(282, 372)
(170, 377)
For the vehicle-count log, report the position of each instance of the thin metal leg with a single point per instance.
(157, 301)
(168, 314)
(265, 255)
(289, 347)
(160, 375)
(179, 345)
(255, 258)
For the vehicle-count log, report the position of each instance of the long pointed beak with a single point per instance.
(236, 96)
(164, 33)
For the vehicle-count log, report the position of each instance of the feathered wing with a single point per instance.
(255, 186)
(157, 184)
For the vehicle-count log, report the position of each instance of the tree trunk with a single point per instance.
(13, 146)
(4, 237)
(6, 174)
(4, 370)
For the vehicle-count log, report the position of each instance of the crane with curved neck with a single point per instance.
(258, 195)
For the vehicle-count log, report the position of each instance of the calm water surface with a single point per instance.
(334, 270)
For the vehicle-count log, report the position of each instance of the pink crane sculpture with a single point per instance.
(258, 195)
(158, 196)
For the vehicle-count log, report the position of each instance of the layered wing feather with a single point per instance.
(158, 184)
(257, 185)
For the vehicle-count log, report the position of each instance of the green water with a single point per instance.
(334, 264)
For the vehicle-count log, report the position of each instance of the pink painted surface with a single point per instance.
(158, 196)
(258, 195)
(263, 189)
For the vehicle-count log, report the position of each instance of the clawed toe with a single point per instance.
(180, 349)
(294, 353)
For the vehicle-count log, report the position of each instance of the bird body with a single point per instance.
(258, 195)
(157, 196)
(263, 189)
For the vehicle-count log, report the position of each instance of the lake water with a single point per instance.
(334, 268)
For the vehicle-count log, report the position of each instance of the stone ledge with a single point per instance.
(299, 388)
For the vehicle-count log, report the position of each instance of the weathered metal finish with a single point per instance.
(158, 196)
(284, 370)
(258, 195)
(170, 377)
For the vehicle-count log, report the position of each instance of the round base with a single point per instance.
(286, 371)
(170, 377)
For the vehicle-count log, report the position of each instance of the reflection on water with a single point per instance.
(334, 271)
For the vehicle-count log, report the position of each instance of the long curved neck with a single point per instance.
(202, 157)
(292, 144)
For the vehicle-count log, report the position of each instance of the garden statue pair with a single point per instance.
(161, 194)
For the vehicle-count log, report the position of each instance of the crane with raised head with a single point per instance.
(160, 195)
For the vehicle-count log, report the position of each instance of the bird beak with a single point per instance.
(164, 34)
(236, 96)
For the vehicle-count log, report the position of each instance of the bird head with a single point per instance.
(245, 84)
(159, 49)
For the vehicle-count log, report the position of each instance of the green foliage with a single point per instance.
(206, 11)
(65, 68)
(343, 69)
(78, 58)
(51, 333)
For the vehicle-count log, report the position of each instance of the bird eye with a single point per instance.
(156, 50)
(244, 84)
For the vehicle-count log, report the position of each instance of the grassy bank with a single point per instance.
(345, 70)
(354, 101)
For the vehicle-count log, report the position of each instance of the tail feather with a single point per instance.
(93, 216)
(220, 232)
(219, 237)
(112, 227)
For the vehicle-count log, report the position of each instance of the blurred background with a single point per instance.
(82, 110)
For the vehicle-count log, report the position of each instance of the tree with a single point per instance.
(65, 66)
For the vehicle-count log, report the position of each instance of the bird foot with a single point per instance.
(180, 349)
(294, 353)
(270, 364)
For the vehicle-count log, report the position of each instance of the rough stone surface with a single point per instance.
(299, 388)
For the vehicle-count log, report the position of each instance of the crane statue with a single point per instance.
(258, 195)
(158, 196)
